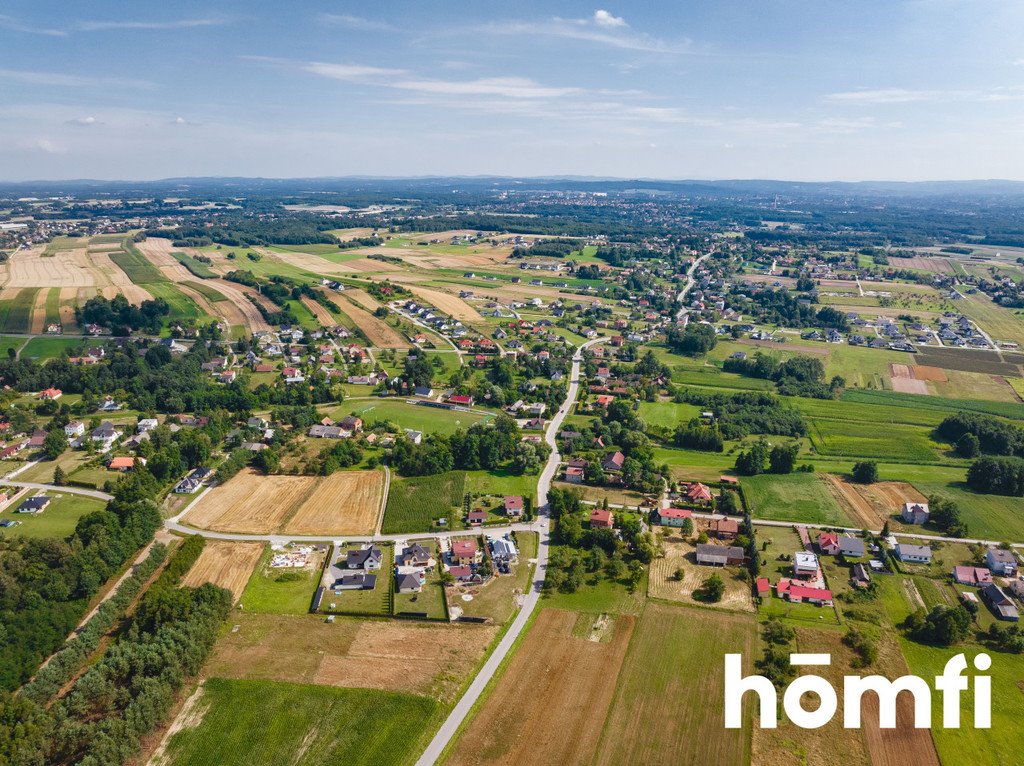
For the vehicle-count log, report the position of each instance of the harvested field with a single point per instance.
(668, 706)
(362, 298)
(37, 316)
(323, 316)
(924, 372)
(549, 705)
(157, 251)
(250, 503)
(969, 360)
(909, 385)
(449, 304)
(379, 333)
(68, 301)
(225, 563)
(66, 268)
(935, 265)
(345, 503)
(111, 280)
(237, 296)
(681, 554)
(871, 505)
(900, 371)
(419, 658)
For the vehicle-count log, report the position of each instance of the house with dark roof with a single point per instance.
(408, 583)
(416, 556)
(35, 504)
(719, 555)
(914, 554)
(357, 581)
(851, 547)
(1001, 562)
(613, 463)
(1001, 604)
(364, 558)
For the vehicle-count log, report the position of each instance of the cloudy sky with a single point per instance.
(790, 89)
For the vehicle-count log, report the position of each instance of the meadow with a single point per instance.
(895, 443)
(794, 497)
(280, 591)
(415, 416)
(197, 268)
(267, 723)
(415, 503)
(58, 520)
(133, 263)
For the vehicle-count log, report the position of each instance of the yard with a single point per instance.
(57, 520)
(418, 417)
(497, 598)
(374, 601)
(680, 555)
(282, 590)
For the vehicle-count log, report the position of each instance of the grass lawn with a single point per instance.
(414, 416)
(793, 497)
(495, 599)
(500, 482)
(268, 723)
(429, 601)
(415, 503)
(96, 476)
(58, 520)
(364, 601)
(6, 341)
(50, 348)
(667, 414)
(43, 470)
(280, 591)
(182, 307)
(602, 597)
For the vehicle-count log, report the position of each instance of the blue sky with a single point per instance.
(792, 89)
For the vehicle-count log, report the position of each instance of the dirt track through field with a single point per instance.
(225, 563)
(345, 503)
(550, 704)
(379, 333)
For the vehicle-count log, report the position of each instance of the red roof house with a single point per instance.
(601, 518)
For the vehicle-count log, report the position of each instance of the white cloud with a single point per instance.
(47, 146)
(100, 26)
(83, 121)
(604, 19)
(1019, 62)
(884, 96)
(11, 23)
(60, 79)
(355, 22)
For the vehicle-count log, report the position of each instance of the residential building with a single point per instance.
(1001, 562)
(915, 513)
(601, 518)
(673, 517)
(913, 554)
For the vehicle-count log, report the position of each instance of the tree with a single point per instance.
(525, 459)
(55, 443)
(865, 472)
(712, 590)
(751, 462)
(60, 478)
(783, 458)
(968, 446)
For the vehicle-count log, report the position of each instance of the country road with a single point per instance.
(690, 282)
(461, 710)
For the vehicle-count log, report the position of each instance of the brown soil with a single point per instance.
(345, 503)
(225, 563)
(250, 503)
(550, 704)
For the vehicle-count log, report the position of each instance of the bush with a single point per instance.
(865, 472)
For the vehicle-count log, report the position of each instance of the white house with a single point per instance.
(1001, 562)
(74, 429)
(914, 554)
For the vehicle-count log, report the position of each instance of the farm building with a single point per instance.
(800, 593)
(915, 513)
(764, 587)
(673, 517)
(975, 576)
(719, 555)
(1001, 605)
(914, 554)
(1001, 562)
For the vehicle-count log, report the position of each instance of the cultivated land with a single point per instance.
(416, 503)
(795, 497)
(225, 563)
(251, 503)
(345, 503)
(668, 706)
(378, 332)
(551, 701)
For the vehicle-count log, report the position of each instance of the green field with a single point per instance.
(7, 342)
(279, 591)
(53, 306)
(921, 402)
(182, 307)
(671, 678)
(414, 416)
(133, 263)
(667, 414)
(49, 348)
(895, 443)
(793, 497)
(415, 503)
(267, 723)
(197, 268)
(58, 520)
(500, 482)
(989, 517)
(599, 596)
(18, 316)
(207, 292)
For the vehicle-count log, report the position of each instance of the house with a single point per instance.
(408, 583)
(513, 505)
(915, 513)
(976, 576)
(187, 486)
(146, 424)
(461, 573)
(364, 558)
(914, 554)
(805, 564)
(1001, 562)
(673, 517)
(465, 551)
(104, 436)
(461, 399)
(801, 593)
(125, 463)
(37, 440)
(35, 504)
(416, 556)
(613, 463)
(574, 475)
(503, 550)
(860, 577)
(74, 429)
(357, 581)
(601, 518)
(414, 436)
(424, 391)
(51, 394)
(726, 529)
(1000, 603)
(763, 587)
(851, 547)
(327, 432)
(698, 493)
(351, 423)
(719, 555)
(828, 543)
(258, 423)
(476, 517)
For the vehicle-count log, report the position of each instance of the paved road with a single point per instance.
(690, 282)
(458, 715)
(54, 488)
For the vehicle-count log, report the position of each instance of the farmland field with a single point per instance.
(793, 497)
(19, 312)
(668, 704)
(415, 416)
(250, 503)
(344, 503)
(197, 268)
(133, 263)
(377, 331)
(895, 443)
(550, 703)
(225, 563)
(667, 414)
(913, 401)
(264, 723)
(415, 503)
(432, 659)
(49, 348)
